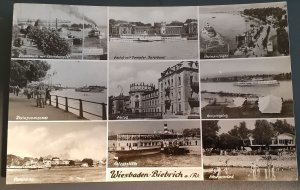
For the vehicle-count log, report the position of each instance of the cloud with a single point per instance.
(77, 143)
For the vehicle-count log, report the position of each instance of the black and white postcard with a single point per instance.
(151, 33)
(246, 88)
(57, 90)
(48, 31)
(250, 150)
(135, 145)
(154, 90)
(245, 30)
(56, 152)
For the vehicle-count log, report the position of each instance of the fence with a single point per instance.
(80, 109)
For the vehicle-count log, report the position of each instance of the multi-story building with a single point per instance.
(177, 93)
(150, 101)
(136, 93)
(159, 28)
(179, 89)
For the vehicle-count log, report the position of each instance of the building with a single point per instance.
(158, 28)
(284, 140)
(179, 89)
(177, 94)
(150, 101)
(136, 93)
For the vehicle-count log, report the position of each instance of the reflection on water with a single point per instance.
(261, 175)
(55, 175)
(283, 90)
(89, 107)
(181, 49)
(160, 160)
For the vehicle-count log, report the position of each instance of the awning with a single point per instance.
(237, 102)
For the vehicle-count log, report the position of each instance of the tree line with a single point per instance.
(238, 136)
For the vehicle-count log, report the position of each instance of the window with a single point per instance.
(179, 80)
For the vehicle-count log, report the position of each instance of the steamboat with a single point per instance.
(257, 82)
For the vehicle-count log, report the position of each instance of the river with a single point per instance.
(227, 25)
(56, 175)
(174, 50)
(283, 90)
(89, 107)
(159, 160)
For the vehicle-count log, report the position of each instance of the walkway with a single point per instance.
(23, 109)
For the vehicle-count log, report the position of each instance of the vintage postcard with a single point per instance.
(153, 33)
(250, 150)
(246, 88)
(245, 30)
(47, 31)
(154, 90)
(57, 90)
(56, 152)
(151, 148)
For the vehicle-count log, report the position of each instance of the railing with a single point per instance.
(80, 109)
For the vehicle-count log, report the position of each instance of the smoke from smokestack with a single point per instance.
(75, 12)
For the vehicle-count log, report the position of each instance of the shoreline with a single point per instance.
(245, 161)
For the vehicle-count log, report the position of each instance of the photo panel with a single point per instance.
(56, 152)
(57, 90)
(246, 88)
(154, 90)
(49, 31)
(153, 33)
(244, 30)
(154, 150)
(250, 150)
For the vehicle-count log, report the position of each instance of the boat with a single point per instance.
(208, 31)
(93, 88)
(257, 82)
(147, 38)
(95, 32)
(130, 145)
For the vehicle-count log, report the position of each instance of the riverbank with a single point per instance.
(284, 162)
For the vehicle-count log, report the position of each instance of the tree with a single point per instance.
(227, 141)
(263, 132)
(209, 133)
(72, 163)
(26, 71)
(283, 127)
(89, 161)
(191, 132)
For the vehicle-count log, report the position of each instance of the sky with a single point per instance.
(77, 73)
(227, 125)
(153, 14)
(63, 12)
(125, 73)
(212, 68)
(118, 127)
(238, 7)
(67, 140)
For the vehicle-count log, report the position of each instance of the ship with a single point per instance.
(130, 145)
(95, 32)
(208, 31)
(149, 38)
(257, 82)
(91, 89)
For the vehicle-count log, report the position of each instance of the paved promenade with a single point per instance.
(23, 109)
